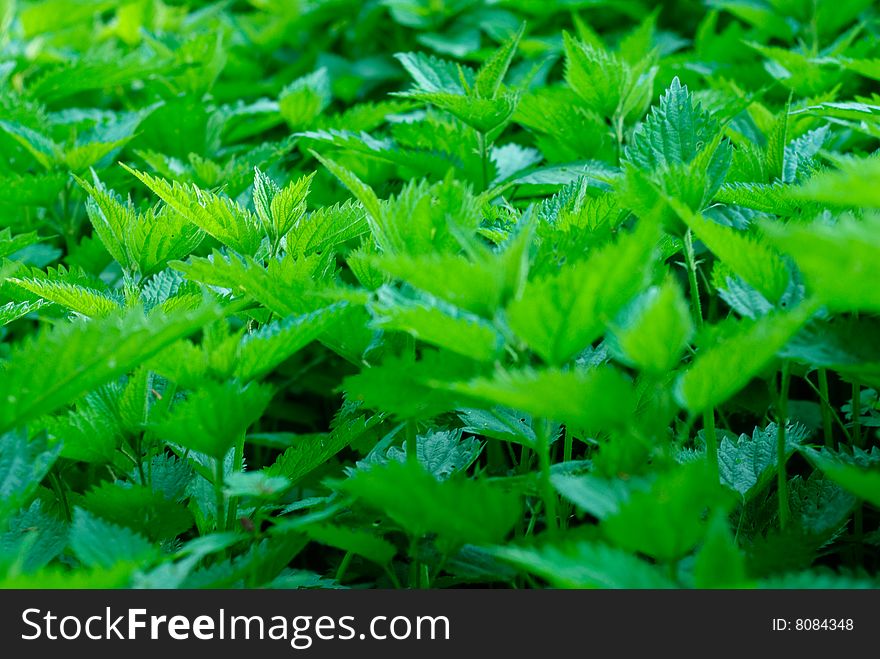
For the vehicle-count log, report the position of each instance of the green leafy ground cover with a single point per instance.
(404, 293)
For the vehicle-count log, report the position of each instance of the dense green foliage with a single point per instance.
(405, 293)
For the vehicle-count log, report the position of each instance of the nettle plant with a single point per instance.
(439, 294)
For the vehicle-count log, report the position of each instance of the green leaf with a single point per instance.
(100, 544)
(431, 506)
(490, 76)
(721, 369)
(215, 416)
(758, 264)
(719, 562)
(600, 497)
(305, 98)
(435, 322)
(834, 258)
(34, 538)
(352, 540)
(748, 465)
(85, 301)
(560, 314)
(654, 330)
(23, 464)
(261, 351)
(596, 399)
(666, 521)
(138, 508)
(583, 564)
(62, 363)
(217, 216)
(853, 184)
(441, 453)
(311, 452)
(860, 479)
(12, 311)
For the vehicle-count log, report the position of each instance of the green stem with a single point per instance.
(568, 445)
(218, 493)
(857, 414)
(545, 485)
(415, 566)
(412, 443)
(711, 438)
(696, 307)
(782, 421)
(343, 566)
(484, 158)
(58, 486)
(709, 433)
(826, 408)
(237, 466)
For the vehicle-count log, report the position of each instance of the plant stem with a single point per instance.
(711, 438)
(857, 414)
(568, 445)
(484, 158)
(782, 421)
(696, 307)
(826, 408)
(237, 466)
(58, 486)
(218, 493)
(545, 486)
(709, 433)
(412, 443)
(343, 566)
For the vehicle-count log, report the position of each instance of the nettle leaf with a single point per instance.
(721, 369)
(215, 416)
(34, 537)
(10, 244)
(820, 506)
(653, 331)
(499, 423)
(584, 564)
(326, 228)
(746, 255)
(832, 257)
(438, 323)
(431, 506)
(441, 452)
(600, 398)
(100, 544)
(560, 314)
(600, 497)
(62, 363)
(217, 216)
(356, 541)
(138, 508)
(719, 562)
(12, 311)
(606, 82)
(748, 464)
(666, 521)
(853, 184)
(261, 351)
(23, 464)
(314, 451)
(412, 389)
(305, 98)
(279, 209)
(860, 477)
(84, 301)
